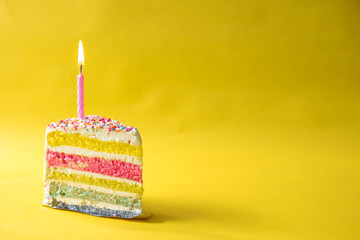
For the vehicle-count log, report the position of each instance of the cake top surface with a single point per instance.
(92, 123)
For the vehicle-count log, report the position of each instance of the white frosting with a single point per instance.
(45, 163)
(133, 137)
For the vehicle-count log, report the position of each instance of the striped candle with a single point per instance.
(80, 95)
(80, 83)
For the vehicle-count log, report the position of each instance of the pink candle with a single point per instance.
(80, 95)
(80, 83)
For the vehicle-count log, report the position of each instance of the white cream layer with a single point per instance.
(132, 137)
(79, 202)
(91, 153)
(91, 187)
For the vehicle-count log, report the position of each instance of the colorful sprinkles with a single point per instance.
(92, 123)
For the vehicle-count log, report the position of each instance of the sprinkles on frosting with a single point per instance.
(93, 123)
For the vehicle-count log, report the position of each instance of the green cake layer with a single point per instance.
(60, 189)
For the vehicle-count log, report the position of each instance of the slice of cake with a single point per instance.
(93, 165)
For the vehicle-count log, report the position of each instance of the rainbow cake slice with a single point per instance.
(94, 166)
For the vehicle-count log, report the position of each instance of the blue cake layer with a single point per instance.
(99, 212)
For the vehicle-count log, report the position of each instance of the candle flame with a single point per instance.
(81, 54)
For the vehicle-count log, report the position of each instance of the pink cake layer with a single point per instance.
(114, 168)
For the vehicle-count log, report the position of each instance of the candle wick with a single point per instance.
(80, 68)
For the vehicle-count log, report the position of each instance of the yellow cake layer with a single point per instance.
(57, 138)
(57, 174)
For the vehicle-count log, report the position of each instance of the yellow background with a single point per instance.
(248, 110)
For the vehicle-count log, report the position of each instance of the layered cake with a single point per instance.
(93, 165)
